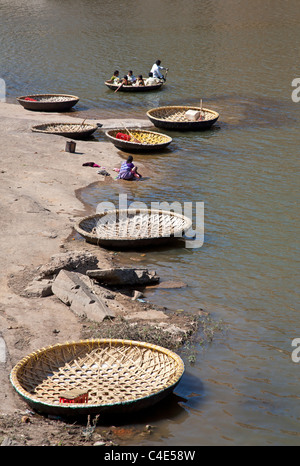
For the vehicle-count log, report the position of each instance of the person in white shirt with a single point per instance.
(151, 80)
(156, 70)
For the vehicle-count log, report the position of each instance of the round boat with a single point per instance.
(48, 102)
(140, 140)
(133, 228)
(68, 130)
(114, 87)
(96, 376)
(175, 118)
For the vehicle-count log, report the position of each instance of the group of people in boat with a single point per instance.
(155, 76)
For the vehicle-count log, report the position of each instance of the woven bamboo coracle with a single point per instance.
(140, 140)
(53, 98)
(116, 376)
(174, 117)
(48, 102)
(69, 130)
(132, 228)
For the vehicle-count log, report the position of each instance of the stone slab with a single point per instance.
(72, 290)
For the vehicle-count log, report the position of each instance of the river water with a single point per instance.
(241, 58)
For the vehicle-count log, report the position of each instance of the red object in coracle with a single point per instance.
(125, 137)
(74, 397)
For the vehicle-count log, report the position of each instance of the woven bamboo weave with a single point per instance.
(133, 225)
(50, 97)
(53, 98)
(74, 130)
(141, 140)
(179, 113)
(144, 137)
(174, 117)
(112, 372)
(48, 102)
(63, 127)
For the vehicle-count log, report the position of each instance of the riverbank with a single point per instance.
(38, 210)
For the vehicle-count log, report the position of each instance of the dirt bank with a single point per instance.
(38, 180)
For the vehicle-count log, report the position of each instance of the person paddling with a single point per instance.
(156, 70)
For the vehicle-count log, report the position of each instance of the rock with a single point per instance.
(72, 260)
(72, 290)
(171, 328)
(149, 428)
(8, 442)
(201, 312)
(49, 234)
(108, 294)
(39, 289)
(148, 315)
(103, 172)
(99, 290)
(137, 295)
(124, 276)
(3, 350)
(25, 419)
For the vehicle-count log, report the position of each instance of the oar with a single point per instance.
(81, 125)
(119, 87)
(131, 135)
(200, 109)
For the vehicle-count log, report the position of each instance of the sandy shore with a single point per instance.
(38, 209)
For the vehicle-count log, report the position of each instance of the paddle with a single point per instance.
(81, 124)
(200, 118)
(164, 78)
(131, 135)
(119, 87)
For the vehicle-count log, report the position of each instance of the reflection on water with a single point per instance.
(239, 58)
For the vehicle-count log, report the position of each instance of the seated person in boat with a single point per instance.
(128, 170)
(124, 82)
(131, 78)
(115, 78)
(140, 81)
(156, 70)
(151, 81)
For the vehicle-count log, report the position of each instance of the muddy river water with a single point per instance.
(241, 58)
